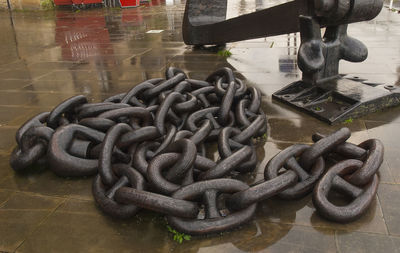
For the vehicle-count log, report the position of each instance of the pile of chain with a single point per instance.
(148, 149)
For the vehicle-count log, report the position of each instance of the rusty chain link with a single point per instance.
(148, 149)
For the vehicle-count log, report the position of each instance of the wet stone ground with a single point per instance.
(46, 57)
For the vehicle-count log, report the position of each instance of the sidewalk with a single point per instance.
(46, 57)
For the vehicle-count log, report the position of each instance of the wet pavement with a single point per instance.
(46, 57)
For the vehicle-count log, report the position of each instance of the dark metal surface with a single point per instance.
(325, 94)
(304, 181)
(204, 21)
(213, 222)
(332, 180)
(322, 92)
(340, 99)
(150, 153)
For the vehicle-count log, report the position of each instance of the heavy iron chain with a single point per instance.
(148, 149)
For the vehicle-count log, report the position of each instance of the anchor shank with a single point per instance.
(204, 20)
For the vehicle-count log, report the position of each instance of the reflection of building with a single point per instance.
(81, 37)
(84, 39)
(152, 2)
(288, 63)
(77, 2)
(130, 17)
(20, 4)
(8, 39)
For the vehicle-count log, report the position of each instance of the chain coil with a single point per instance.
(148, 150)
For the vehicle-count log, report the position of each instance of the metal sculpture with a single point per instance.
(322, 92)
(148, 149)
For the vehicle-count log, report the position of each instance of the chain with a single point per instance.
(148, 150)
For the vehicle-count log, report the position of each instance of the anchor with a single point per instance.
(322, 91)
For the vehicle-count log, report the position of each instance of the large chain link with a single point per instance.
(148, 149)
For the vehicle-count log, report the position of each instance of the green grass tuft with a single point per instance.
(224, 53)
(347, 121)
(179, 237)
